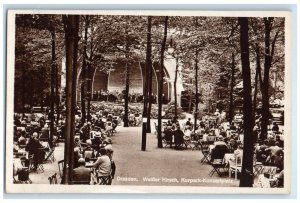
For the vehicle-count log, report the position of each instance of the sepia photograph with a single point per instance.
(148, 101)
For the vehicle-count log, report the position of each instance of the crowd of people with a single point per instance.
(92, 142)
(93, 152)
(218, 136)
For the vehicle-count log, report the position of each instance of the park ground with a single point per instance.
(155, 166)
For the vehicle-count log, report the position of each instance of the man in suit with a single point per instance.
(81, 173)
(35, 148)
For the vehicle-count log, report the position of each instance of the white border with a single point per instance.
(38, 188)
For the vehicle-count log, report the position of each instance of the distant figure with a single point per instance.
(275, 127)
(85, 131)
(188, 122)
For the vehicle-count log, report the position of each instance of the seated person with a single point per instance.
(188, 122)
(100, 124)
(178, 137)
(168, 134)
(34, 148)
(21, 140)
(220, 141)
(109, 126)
(281, 143)
(271, 140)
(77, 142)
(275, 127)
(85, 131)
(275, 149)
(115, 122)
(169, 123)
(81, 173)
(280, 180)
(87, 149)
(187, 134)
(107, 143)
(205, 135)
(239, 151)
(103, 164)
(218, 152)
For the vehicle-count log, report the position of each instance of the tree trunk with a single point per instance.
(196, 87)
(190, 101)
(23, 92)
(175, 88)
(246, 179)
(257, 74)
(146, 85)
(83, 75)
(160, 89)
(71, 24)
(52, 100)
(57, 94)
(89, 75)
(126, 122)
(231, 107)
(149, 78)
(75, 31)
(89, 93)
(42, 101)
(82, 95)
(265, 87)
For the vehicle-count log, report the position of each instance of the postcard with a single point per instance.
(148, 101)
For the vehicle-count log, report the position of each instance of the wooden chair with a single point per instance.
(50, 154)
(40, 158)
(53, 179)
(237, 167)
(204, 148)
(61, 164)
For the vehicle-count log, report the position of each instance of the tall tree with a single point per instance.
(71, 24)
(148, 93)
(160, 89)
(147, 83)
(246, 179)
(268, 54)
(84, 71)
(175, 88)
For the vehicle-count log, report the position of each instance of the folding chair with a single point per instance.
(188, 143)
(44, 135)
(104, 180)
(257, 166)
(39, 158)
(205, 151)
(50, 154)
(197, 144)
(217, 159)
(53, 179)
